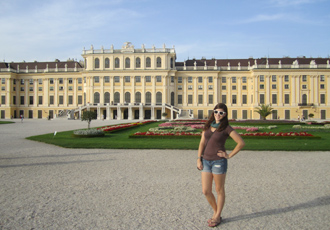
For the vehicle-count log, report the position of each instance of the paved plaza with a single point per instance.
(48, 187)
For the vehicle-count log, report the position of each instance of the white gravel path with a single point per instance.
(48, 187)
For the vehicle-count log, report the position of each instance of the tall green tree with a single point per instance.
(89, 116)
(264, 110)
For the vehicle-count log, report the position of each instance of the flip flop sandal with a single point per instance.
(213, 223)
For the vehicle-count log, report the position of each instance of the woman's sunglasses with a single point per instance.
(220, 112)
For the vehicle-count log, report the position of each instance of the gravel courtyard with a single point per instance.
(48, 187)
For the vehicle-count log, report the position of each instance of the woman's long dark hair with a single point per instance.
(223, 122)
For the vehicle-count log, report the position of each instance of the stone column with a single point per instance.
(118, 112)
(327, 87)
(311, 89)
(316, 91)
(140, 111)
(122, 92)
(102, 90)
(267, 89)
(229, 98)
(35, 93)
(216, 98)
(112, 93)
(256, 95)
(195, 100)
(8, 89)
(165, 89)
(292, 90)
(152, 111)
(75, 95)
(26, 91)
(205, 101)
(130, 112)
(184, 91)
(298, 94)
(46, 92)
(65, 90)
(239, 91)
(98, 112)
(143, 93)
(280, 99)
(56, 92)
(108, 113)
(153, 94)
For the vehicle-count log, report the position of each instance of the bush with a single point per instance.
(88, 133)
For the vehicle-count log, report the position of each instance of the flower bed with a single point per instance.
(171, 129)
(327, 126)
(245, 135)
(114, 128)
(173, 124)
(195, 121)
(279, 135)
(165, 134)
(254, 128)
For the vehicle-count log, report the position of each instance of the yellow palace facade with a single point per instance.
(148, 83)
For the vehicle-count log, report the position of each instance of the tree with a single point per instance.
(89, 116)
(264, 110)
(311, 115)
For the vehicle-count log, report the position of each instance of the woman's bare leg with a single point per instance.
(207, 180)
(219, 180)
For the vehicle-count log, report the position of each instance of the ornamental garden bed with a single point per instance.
(122, 139)
(185, 129)
(115, 128)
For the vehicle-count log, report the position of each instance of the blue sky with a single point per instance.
(45, 30)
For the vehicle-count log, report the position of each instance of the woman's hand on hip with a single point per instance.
(199, 164)
(223, 154)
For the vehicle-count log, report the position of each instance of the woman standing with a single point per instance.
(212, 158)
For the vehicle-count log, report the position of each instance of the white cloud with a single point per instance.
(60, 24)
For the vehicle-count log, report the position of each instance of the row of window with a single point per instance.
(127, 62)
(127, 97)
(138, 79)
(244, 79)
(51, 81)
(159, 98)
(286, 86)
(40, 100)
(286, 78)
(244, 99)
(244, 115)
(126, 79)
(199, 79)
(158, 79)
(244, 87)
(51, 88)
(190, 87)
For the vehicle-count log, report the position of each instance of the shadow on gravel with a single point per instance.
(321, 201)
(51, 163)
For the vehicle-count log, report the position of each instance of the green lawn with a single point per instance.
(6, 122)
(121, 140)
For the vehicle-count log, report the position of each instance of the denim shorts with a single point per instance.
(215, 167)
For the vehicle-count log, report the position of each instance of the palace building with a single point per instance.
(148, 83)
